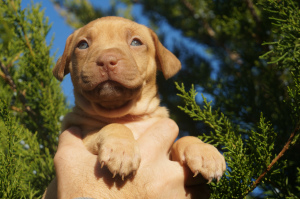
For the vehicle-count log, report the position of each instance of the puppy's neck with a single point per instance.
(156, 111)
(79, 117)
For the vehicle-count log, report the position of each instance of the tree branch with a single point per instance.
(27, 42)
(284, 149)
(234, 56)
(257, 19)
(7, 77)
(206, 25)
(252, 11)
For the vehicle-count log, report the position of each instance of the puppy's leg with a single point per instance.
(199, 157)
(116, 148)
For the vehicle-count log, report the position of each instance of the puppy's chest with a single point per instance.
(138, 128)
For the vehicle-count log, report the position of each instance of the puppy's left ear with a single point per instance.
(167, 62)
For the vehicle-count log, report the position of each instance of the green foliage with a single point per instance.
(31, 102)
(286, 50)
(32, 90)
(9, 165)
(247, 153)
(298, 180)
(285, 19)
(251, 155)
(25, 166)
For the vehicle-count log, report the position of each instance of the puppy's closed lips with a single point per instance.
(92, 78)
(110, 94)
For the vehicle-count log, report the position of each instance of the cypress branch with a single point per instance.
(276, 159)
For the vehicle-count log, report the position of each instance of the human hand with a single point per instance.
(79, 173)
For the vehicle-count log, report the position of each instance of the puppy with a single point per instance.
(113, 63)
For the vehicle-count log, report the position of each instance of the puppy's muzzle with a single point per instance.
(111, 80)
(108, 61)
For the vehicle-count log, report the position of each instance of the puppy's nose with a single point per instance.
(107, 61)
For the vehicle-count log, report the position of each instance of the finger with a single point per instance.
(70, 137)
(178, 174)
(159, 137)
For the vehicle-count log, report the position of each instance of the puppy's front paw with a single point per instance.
(120, 155)
(199, 157)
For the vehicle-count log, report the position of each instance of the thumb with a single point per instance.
(159, 137)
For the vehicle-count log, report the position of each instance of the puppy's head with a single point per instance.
(113, 63)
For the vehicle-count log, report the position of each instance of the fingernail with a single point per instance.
(114, 175)
(196, 173)
(209, 181)
(102, 164)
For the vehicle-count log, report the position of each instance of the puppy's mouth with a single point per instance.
(111, 94)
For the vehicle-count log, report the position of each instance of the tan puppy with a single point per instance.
(113, 64)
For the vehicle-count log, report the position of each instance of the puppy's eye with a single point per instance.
(82, 45)
(136, 42)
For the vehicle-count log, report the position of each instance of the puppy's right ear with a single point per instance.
(62, 65)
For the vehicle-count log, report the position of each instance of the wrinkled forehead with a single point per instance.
(113, 28)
